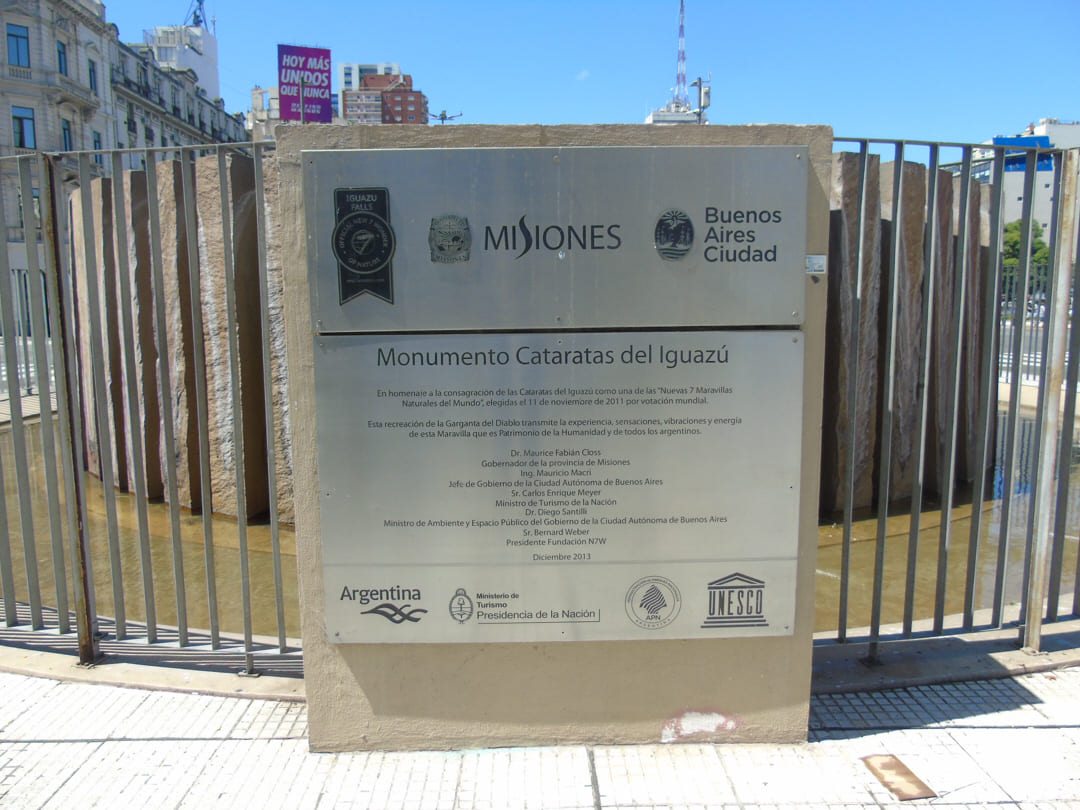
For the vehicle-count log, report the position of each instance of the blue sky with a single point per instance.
(945, 70)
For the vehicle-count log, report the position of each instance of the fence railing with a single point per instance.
(918, 339)
(160, 494)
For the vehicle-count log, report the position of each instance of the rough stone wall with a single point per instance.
(176, 292)
(108, 437)
(144, 359)
(238, 205)
(845, 316)
(279, 380)
(909, 315)
(914, 280)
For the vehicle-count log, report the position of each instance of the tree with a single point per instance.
(1040, 258)
(1040, 251)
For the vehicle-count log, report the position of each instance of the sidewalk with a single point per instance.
(1012, 742)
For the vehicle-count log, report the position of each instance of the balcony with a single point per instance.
(23, 73)
(77, 94)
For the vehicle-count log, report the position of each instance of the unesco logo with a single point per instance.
(653, 602)
(736, 600)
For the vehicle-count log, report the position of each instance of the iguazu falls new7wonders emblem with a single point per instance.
(363, 243)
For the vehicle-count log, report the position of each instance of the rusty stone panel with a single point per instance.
(110, 437)
(239, 206)
(841, 325)
(176, 293)
(279, 379)
(146, 407)
(941, 340)
(909, 314)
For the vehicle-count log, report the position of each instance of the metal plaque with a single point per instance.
(571, 237)
(525, 486)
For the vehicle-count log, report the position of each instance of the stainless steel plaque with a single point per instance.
(521, 486)
(573, 237)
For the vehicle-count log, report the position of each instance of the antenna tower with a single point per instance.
(681, 95)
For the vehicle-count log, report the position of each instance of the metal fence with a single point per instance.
(110, 507)
(84, 475)
(1002, 467)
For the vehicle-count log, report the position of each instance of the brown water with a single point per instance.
(260, 560)
(226, 556)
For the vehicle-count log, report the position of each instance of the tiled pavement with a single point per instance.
(1005, 743)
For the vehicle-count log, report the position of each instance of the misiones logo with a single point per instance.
(523, 237)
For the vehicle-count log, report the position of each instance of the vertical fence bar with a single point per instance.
(7, 573)
(959, 301)
(852, 394)
(201, 400)
(919, 462)
(165, 383)
(18, 435)
(98, 353)
(989, 377)
(237, 405)
(39, 338)
(1063, 235)
(888, 396)
(1020, 291)
(68, 403)
(134, 401)
(268, 393)
(1061, 509)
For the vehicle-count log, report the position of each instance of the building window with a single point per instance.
(65, 134)
(22, 119)
(61, 58)
(91, 75)
(18, 45)
(97, 145)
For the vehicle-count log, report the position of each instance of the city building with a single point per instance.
(1048, 133)
(381, 97)
(159, 106)
(69, 84)
(54, 91)
(187, 47)
(350, 77)
(265, 113)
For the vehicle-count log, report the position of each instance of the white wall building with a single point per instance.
(187, 47)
